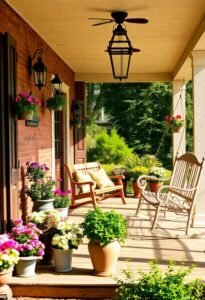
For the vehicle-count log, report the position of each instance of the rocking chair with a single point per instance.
(180, 195)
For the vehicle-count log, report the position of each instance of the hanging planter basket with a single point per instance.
(177, 129)
(26, 115)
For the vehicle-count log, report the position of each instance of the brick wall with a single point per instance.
(34, 143)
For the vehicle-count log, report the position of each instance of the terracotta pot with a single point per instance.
(104, 258)
(26, 115)
(136, 189)
(5, 275)
(177, 129)
(154, 186)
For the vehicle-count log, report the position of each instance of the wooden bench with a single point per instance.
(96, 194)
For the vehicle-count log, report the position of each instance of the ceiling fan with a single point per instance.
(119, 17)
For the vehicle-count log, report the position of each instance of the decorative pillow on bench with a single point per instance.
(82, 177)
(101, 178)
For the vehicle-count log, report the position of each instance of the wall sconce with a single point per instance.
(56, 85)
(120, 51)
(39, 69)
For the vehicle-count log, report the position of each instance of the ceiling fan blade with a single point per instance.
(97, 24)
(136, 50)
(137, 20)
(99, 19)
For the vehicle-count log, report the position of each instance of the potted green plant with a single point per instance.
(76, 122)
(41, 186)
(105, 230)
(135, 173)
(62, 201)
(157, 173)
(56, 102)
(26, 105)
(68, 236)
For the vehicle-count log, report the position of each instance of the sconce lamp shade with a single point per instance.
(56, 85)
(39, 69)
(120, 51)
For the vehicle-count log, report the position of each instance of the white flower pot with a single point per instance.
(62, 260)
(26, 266)
(42, 205)
(63, 211)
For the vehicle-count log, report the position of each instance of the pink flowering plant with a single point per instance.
(41, 186)
(9, 256)
(26, 102)
(174, 121)
(27, 238)
(61, 198)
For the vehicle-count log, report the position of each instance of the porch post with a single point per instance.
(178, 108)
(198, 78)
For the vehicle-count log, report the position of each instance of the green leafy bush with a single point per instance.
(109, 149)
(138, 171)
(104, 226)
(157, 285)
(108, 168)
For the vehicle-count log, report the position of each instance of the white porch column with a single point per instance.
(178, 108)
(198, 77)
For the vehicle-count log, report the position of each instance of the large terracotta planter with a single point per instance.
(5, 275)
(136, 189)
(104, 258)
(62, 260)
(154, 186)
(42, 205)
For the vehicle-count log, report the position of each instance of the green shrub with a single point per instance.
(138, 171)
(109, 149)
(108, 168)
(157, 285)
(104, 226)
(149, 161)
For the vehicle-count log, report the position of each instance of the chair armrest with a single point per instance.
(118, 177)
(164, 197)
(143, 179)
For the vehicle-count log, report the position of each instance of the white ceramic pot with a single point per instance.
(63, 211)
(26, 266)
(42, 205)
(62, 260)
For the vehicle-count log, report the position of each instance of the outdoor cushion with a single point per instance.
(101, 178)
(81, 177)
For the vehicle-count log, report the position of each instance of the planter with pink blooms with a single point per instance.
(29, 246)
(62, 201)
(26, 106)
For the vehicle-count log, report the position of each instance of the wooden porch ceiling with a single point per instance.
(175, 28)
(165, 243)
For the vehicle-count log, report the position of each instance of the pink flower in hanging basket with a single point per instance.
(175, 121)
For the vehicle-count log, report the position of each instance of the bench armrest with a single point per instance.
(118, 177)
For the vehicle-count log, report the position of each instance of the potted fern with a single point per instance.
(105, 230)
(56, 102)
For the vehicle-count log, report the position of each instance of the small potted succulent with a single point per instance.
(26, 105)
(68, 236)
(29, 246)
(56, 102)
(135, 173)
(105, 230)
(62, 201)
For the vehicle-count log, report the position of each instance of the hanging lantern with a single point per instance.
(56, 85)
(120, 51)
(39, 69)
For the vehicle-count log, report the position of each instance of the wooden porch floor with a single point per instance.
(167, 242)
